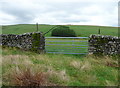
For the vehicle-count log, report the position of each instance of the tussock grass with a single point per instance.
(58, 69)
(28, 78)
(76, 64)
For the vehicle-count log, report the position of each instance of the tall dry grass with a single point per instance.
(23, 72)
(53, 70)
(28, 78)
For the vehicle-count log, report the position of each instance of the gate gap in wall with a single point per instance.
(66, 45)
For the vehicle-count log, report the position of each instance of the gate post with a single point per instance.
(38, 42)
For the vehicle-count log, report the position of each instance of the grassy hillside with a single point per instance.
(81, 30)
(27, 68)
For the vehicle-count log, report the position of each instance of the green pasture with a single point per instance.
(80, 30)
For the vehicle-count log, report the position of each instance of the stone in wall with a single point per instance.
(105, 45)
(27, 41)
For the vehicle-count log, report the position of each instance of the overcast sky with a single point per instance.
(76, 12)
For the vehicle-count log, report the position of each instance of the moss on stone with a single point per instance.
(35, 42)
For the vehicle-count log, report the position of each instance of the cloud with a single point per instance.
(85, 12)
(4, 18)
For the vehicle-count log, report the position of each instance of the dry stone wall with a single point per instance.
(28, 41)
(105, 45)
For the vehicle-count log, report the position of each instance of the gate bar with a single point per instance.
(68, 37)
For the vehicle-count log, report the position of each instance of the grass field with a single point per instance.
(27, 68)
(57, 69)
(81, 30)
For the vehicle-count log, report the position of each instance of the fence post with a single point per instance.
(37, 27)
(99, 31)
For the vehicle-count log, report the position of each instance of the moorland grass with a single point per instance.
(58, 69)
